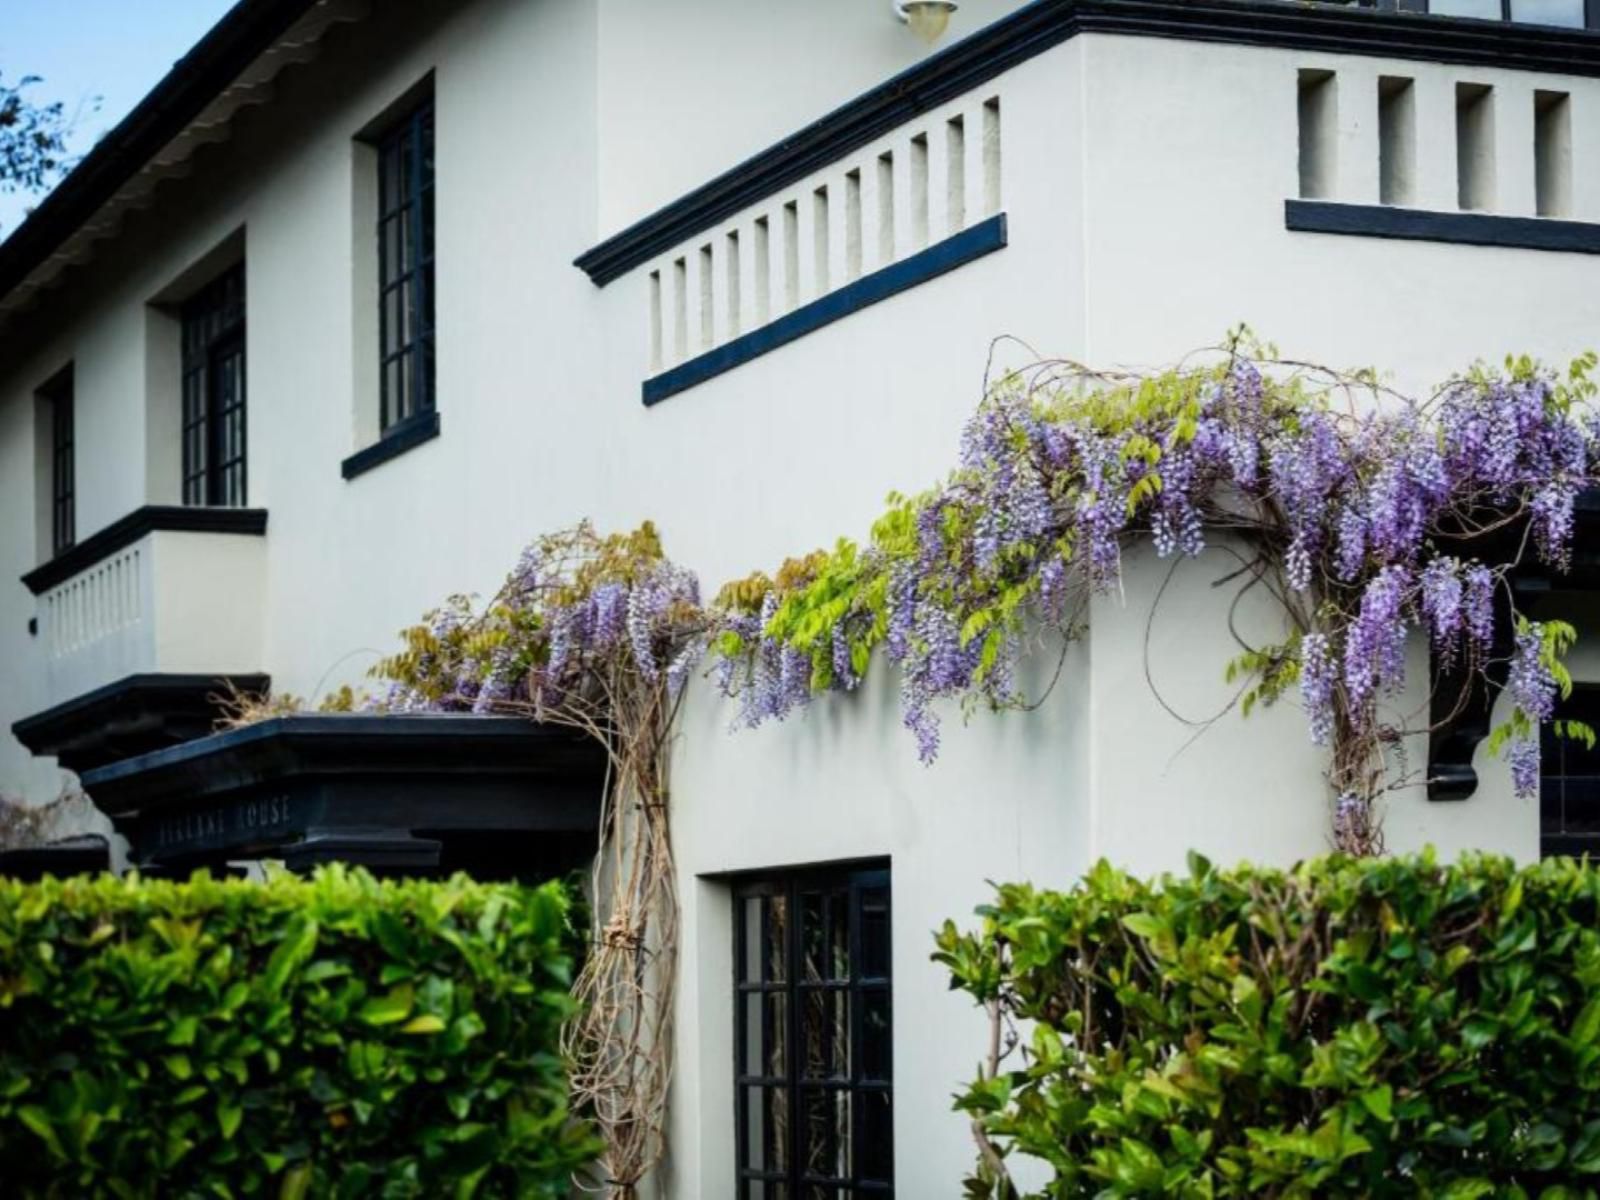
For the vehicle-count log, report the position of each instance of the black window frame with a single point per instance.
(405, 232)
(1569, 781)
(868, 1074)
(58, 396)
(214, 422)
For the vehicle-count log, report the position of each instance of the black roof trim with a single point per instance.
(1043, 24)
(217, 59)
(124, 531)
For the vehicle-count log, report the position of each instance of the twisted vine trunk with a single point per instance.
(620, 1043)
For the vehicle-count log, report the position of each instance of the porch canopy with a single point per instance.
(498, 797)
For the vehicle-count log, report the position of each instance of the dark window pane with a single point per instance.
(747, 919)
(391, 388)
(764, 1019)
(1573, 757)
(774, 939)
(425, 370)
(405, 394)
(825, 1034)
(875, 933)
(389, 245)
(877, 1033)
(825, 947)
(1550, 806)
(1580, 805)
(1569, 790)
(389, 181)
(875, 1138)
(410, 314)
(393, 328)
(825, 1132)
(764, 1136)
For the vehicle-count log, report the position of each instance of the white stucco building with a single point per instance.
(364, 297)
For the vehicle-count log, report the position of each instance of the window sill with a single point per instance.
(973, 242)
(1460, 228)
(400, 437)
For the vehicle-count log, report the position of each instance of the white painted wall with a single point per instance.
(1144, 183)
(720, 80)
(1192, 153)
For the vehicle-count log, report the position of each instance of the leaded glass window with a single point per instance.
(214, 393)
(405, 264)
(813, 1036)
(63, 483)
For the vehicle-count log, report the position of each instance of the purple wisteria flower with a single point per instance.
(1375, 644)
(1318, 678)
(1442, 606)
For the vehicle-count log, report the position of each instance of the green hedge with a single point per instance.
(1390, 1027)
(330, 1036)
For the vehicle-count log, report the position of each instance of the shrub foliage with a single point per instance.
(330, 1036)
(1379, 1027)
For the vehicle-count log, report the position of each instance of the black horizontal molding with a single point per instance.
(134, 715)
(1037, 27)
(123, 532)
(958, 249)
(1461, 228)
(85, 854)
(400, 437)
(499, 796)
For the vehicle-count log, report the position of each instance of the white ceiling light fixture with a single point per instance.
(928, 18)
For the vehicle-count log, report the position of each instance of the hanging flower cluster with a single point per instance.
(1371, 516)
(576, 607)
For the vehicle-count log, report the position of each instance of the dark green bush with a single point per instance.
(331, 1036)
(1389, 1027)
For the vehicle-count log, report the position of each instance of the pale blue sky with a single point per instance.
(115, 49)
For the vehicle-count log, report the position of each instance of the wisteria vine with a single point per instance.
(597, 633)
(1369, 516)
